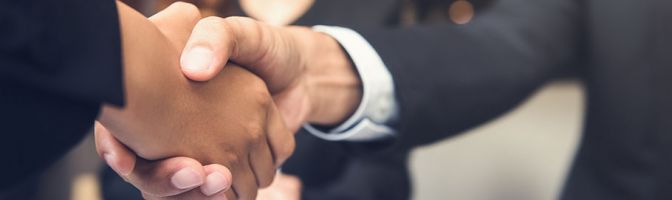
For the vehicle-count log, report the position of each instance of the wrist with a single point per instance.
(149, 74)
(334, 86)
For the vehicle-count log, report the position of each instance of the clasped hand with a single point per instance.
(175, 135)
(174, 125)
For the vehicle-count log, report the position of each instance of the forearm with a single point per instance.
(150, 60)
(150, 65)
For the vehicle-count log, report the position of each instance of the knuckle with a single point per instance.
(255, 132)
(232, 160)
(259, 90)
(268, 179)
(241, 24)
(285, 150)
(264, 98)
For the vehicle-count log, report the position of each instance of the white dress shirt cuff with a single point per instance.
(378, 108)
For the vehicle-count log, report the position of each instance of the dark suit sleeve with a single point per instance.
(451, 78)
(59, 60)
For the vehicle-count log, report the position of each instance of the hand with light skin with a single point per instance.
(230, 120)
(309, 75)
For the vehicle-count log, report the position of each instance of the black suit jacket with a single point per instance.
(343, 170)
(452, 78)
(59, 59)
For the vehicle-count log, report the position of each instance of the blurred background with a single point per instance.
(523, 155)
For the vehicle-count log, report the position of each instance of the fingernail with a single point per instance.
(197, 59)
(186, 178)
(214, 183)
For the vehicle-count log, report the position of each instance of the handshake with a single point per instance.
(196, 125)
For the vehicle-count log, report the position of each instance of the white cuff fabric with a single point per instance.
(378, 107)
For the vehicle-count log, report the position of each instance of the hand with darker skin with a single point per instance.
(308, 74)
(231, 120)
(224, 141)
(171, 178)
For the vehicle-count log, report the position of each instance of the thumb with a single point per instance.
(269, 52)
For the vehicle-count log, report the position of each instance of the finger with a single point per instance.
(214, 41)
(281, 140)
(244, 183)
(262, 163)
(190, 195)
(159, 178)
(207, 50)
(115, 154)
(218, 180)
(176, 22)
(167, 177)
